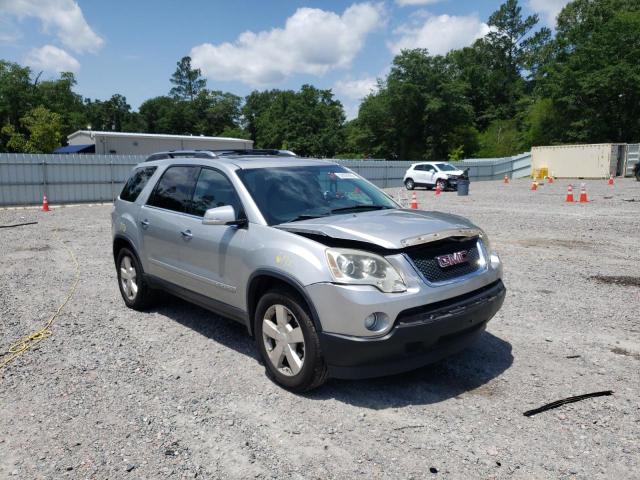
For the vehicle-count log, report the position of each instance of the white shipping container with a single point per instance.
(580, 161)
(146, 143)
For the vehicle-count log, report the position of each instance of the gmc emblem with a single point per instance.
(452, 259)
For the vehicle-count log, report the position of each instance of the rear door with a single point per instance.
(213, 253)
(163, 222)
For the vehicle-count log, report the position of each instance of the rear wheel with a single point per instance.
(288, 343)
(409, 184)
(134, 289)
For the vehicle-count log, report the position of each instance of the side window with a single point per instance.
(429, 168)
(419, 167)
(213, 190)
(174, 188)
(136, 183)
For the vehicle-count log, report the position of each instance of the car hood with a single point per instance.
(455, 172)
(390, 229)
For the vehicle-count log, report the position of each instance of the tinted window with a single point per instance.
(174, 189)
(419, 167)
(136, 183)
(213, 190)
(429, 168)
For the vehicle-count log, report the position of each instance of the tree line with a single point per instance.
(521, 85)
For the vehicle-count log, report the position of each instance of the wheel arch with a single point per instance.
(266, 279)
(120, 242)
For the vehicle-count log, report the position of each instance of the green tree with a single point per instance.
(44, 134)
(309, 122)
(421, 111)
(594, 76)
(188, 81)
(57, 95)
(216, 111)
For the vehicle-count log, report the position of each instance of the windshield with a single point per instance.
(287, 194)
(445, 167)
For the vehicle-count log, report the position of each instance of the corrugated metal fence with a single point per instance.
(99, 178)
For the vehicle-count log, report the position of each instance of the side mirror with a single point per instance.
(224, 215)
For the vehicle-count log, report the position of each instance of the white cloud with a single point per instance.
(313, 41)
(63, 18)
(548, 9)
(439, 34)
(355, 89)
(52, 59)
(411, 3)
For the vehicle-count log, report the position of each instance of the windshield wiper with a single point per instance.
(305, 217)
(360, 207)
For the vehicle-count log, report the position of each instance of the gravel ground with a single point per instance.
(178, 393)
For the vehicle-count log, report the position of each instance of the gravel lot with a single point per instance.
(178, 393)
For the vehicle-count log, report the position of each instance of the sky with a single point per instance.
(132, 47)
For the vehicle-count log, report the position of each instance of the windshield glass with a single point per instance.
(286, 194)
(445, 167)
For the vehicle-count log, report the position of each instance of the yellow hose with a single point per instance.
(19, 347)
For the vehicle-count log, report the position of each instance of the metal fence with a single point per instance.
(25, 178)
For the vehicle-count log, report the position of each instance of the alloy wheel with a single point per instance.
(283, 340)
(128, 277)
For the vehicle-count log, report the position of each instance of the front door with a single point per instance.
(429, 174)
(213, 253)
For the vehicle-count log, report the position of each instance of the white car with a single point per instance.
(430, 174)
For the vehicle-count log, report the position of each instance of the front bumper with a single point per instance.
(420, 335)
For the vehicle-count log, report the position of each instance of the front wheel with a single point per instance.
(442, 184)
(288, 343)
(408, 183)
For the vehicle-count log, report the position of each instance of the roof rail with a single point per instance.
(255, 152)
(220, 153)
(181, 153)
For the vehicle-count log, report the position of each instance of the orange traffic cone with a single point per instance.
(610, 182)
(534, 186)
(414, 201)
(569, 198)
(583, 194)
(45, 204)
(506, 179)
(438, 189)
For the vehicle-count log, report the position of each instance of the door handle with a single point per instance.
(186, 234)
(144, 223)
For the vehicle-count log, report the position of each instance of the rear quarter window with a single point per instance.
(138, 179)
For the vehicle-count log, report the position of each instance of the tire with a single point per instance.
(409, 184)
(442, 183)
(289, 313)
(638, 176)
(135, 291)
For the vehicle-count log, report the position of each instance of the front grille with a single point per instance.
(424, 259)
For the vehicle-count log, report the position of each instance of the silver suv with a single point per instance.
(327, 272)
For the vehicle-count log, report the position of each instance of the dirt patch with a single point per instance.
(553, 242)
(625, 352)
(41, 248)
(624, 281)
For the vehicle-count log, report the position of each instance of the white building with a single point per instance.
(146, 143)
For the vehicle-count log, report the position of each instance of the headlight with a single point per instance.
(355, 267)
(485, 242)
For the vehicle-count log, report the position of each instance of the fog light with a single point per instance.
(376, 321)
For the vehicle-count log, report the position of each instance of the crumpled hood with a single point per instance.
(391, 229)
